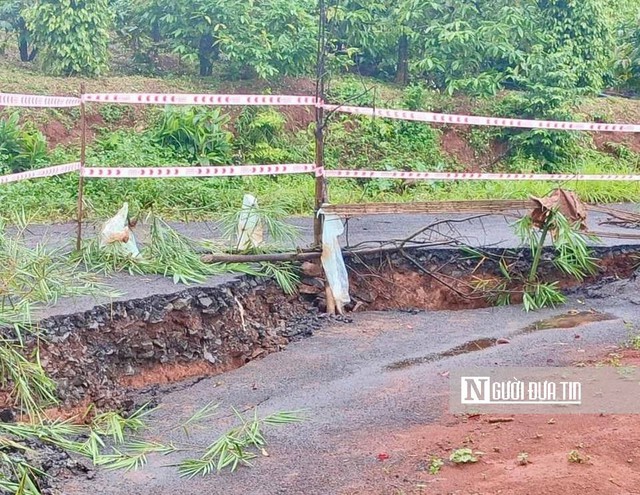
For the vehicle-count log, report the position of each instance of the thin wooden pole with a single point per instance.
(83, 153)
(321, 183)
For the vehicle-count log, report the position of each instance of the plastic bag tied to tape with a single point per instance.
(250, 233)
(333, 262)
(117, 229)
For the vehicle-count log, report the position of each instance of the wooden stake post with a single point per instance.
(321, 185)
(83, 153)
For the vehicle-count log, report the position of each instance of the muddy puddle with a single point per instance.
(569, 320)
(467, 347)
(562, 321)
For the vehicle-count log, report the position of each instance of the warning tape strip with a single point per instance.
(40, 172)
(296, 168)
(13, 100)
(373, 174)
(445, 118)
(202, 99)
(217, 171)
(7, 99)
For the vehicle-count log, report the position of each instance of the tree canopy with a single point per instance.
(478, 46)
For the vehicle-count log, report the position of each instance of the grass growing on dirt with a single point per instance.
(132, 136)
(435, 465)
(32, 277)
(463, 456)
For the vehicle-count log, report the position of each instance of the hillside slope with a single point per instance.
(125, 135)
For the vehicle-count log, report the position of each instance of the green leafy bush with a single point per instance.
(260, 126)
(583, 30)
(550, 94)
(21, 147)
(125, 148)
(415, 97)
(72, 36)
(351, 91)
(552, 149)
(383, 145)
(197, 134)
(265, 39)
(260, 136)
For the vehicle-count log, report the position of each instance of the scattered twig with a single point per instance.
(499, 420)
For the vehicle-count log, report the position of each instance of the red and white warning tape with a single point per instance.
(11, 100)
(372, 174)
(248, 170)
(21, 100)
(193, 99)
(296, 168)
(217, 171)
(445, 118)
(40, 172)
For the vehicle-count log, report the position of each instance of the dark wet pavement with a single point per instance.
(345, 380)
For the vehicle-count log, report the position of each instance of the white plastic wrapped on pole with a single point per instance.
(117, 229)
(333, 262)
(250, 234)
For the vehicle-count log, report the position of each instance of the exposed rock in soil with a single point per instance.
(97, 355)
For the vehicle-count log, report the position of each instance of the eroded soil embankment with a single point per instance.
(449, 279)
(98, 356)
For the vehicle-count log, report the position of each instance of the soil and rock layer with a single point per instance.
(99, 356)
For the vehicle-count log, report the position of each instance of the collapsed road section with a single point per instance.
(98, 357)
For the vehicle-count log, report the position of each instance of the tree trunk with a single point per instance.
(205, 54)
(24, 49)
(156, 37)
(402, 68)
(23, 42)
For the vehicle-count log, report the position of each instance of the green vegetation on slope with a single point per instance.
(184, 136)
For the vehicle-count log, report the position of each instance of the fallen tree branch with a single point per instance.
(394, 245)
(305, 255)
(258, 258)
(619, 217)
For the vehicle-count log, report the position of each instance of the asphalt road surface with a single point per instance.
(343, 378)
(368, 231)
(352, 380)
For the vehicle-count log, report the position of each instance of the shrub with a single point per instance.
(21, 148)
(260, 136)
(552, 149)
(351, 91)
(72, 36)
(197, 134)
(259, 126)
